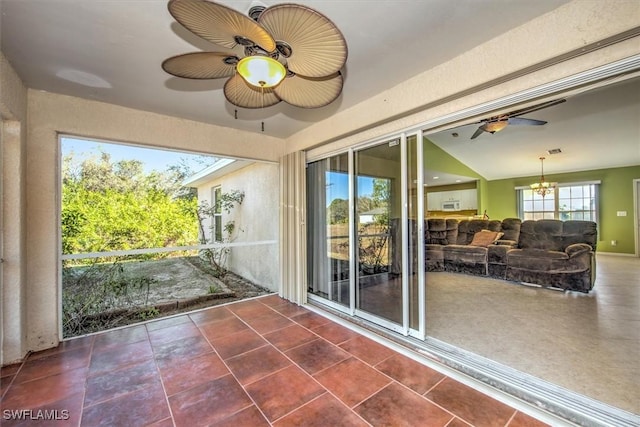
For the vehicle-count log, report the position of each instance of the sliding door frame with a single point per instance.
(352, 309)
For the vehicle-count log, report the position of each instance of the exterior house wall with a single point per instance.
(256, 220)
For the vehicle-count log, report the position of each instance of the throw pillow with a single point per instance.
(485, 238)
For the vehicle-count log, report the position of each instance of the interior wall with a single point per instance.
(52, 114)
(616, 195)
(13, 115)
(435, 158)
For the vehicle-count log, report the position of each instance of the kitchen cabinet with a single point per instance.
(468, 199)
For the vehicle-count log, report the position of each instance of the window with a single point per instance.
(217, 214)
(566, 202)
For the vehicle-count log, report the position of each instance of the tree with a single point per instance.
(338, 211)
(109, 206)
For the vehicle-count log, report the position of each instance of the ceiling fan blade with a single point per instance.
(317, 47)
(243, 95)
(477, 133)
(524, 121)
(200, 65)
(219, 24)
(309, 92)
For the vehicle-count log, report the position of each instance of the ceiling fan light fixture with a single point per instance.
(496, 126)
(261, 71)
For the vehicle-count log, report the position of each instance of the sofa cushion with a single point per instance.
(485, 238)
(537, 259)
(511, 229)
(467, 228)
(497, 254)
(545, 234)
(440, 231)
(465, 253)
(579, 232)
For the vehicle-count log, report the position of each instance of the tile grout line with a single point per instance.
(424, 359)
(231, 372)
(391, 379)
(164, 389)
(326, 390)
(86, 380)
(396, 348)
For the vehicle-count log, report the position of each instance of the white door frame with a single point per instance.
(636, 215)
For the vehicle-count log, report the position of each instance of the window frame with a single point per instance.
(216, 221)
(594, 214)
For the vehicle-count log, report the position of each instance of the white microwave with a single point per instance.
(453, 205)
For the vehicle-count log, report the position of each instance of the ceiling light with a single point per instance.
(495, 126)
(543, 187)
(261, 71)
(300, 52)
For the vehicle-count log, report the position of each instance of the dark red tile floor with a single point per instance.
(258, 362)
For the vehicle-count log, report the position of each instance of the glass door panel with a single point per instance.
(378, 231)
(328, 215)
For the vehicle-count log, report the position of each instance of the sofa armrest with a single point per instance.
(577, 249)
(505, 242)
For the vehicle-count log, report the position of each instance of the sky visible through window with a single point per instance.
(338, 186)
(151, 158)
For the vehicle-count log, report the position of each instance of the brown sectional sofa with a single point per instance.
(549, 253)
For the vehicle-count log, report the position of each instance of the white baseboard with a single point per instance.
(616, 254)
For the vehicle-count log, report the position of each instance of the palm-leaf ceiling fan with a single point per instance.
(292, 53)
(497, 123)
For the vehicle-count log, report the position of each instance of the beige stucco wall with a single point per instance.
(570, 28)
(50, 115)
(13, 114)
(256, 220)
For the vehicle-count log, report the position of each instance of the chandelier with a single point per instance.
(543, 187)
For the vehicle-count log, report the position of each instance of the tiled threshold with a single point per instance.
(545, 401)
(258, 362)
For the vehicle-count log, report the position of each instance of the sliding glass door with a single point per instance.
(328, 219)
(378, 231)
(363, 236)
